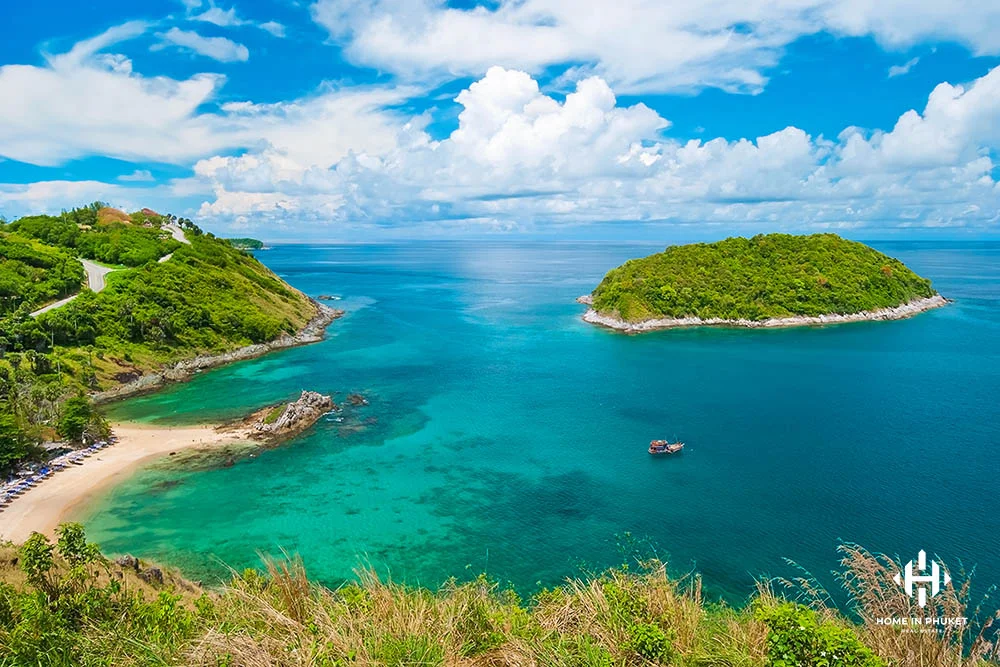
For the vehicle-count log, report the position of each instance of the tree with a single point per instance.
(73, 547)
(79, 419)
(16, 444)
(36, 562)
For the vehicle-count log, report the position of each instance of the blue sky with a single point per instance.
(332, 119)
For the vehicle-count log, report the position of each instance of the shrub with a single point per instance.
(797, 637)
(649, 641)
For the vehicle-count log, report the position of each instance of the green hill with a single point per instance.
(208, 297)
(767, 276)
(32, 273)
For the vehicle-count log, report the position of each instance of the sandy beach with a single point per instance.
(42, 508)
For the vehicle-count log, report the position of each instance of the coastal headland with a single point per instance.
(312, 332)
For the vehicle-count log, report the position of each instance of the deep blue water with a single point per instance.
(505, 435)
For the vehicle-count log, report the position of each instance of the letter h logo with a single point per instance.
(937, 577)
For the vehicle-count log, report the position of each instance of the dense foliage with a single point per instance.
(64, 604)
(208, 297)
(245, 243)
(94, 232)
(32, 274)
(773, 275)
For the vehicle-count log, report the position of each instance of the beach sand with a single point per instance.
(42, 508)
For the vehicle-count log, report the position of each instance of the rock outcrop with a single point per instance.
(296, 416)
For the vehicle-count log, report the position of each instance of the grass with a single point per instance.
(276, 616)
(274, 413)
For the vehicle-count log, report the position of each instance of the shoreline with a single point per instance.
(313, 332)
(900, 312)
(44, 507)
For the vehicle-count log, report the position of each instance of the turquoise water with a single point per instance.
(505, 435)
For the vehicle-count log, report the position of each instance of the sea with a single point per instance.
(505, 436)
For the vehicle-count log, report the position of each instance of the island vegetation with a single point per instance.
(66, 604)
(166, 301)
(756, 279)
(246, 244)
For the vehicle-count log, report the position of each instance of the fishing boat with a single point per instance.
(665, 447)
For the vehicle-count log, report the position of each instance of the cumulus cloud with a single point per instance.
(518, 157)
(122, 114)
(635, 45)
(521, 155)
(218, 48)
(54, 196)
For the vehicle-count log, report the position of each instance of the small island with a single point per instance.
(246, 243)
(769, 280)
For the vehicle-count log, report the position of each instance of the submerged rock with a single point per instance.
(357, 400)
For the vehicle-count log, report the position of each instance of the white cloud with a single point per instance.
(273, 27)
(218, 48)
(899, 70)
(520, 155)
(137, 176)
(222, 18)
(228, 18)
(55, 196)
(635, 45)
(122, 114)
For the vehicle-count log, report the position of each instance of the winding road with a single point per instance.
(95, 280)
(96, 272)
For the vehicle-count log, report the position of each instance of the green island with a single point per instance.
(766, 280)
(245, 243)
(167, 292)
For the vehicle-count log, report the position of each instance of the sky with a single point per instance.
(356, 120)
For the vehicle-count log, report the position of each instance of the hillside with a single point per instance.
(65, 604)
(756, 279)
(166, 301)
(32, 273)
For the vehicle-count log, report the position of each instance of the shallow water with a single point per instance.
(509, 436)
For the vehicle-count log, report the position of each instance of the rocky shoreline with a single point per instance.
(896, 313)
(312, 332)
(282, 421)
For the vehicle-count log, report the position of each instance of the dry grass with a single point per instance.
(873, 596)
(100, 574)
(277, 617)
(108, 214)
(282, 619)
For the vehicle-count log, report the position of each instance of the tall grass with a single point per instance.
(874, 599)
(276, 616)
